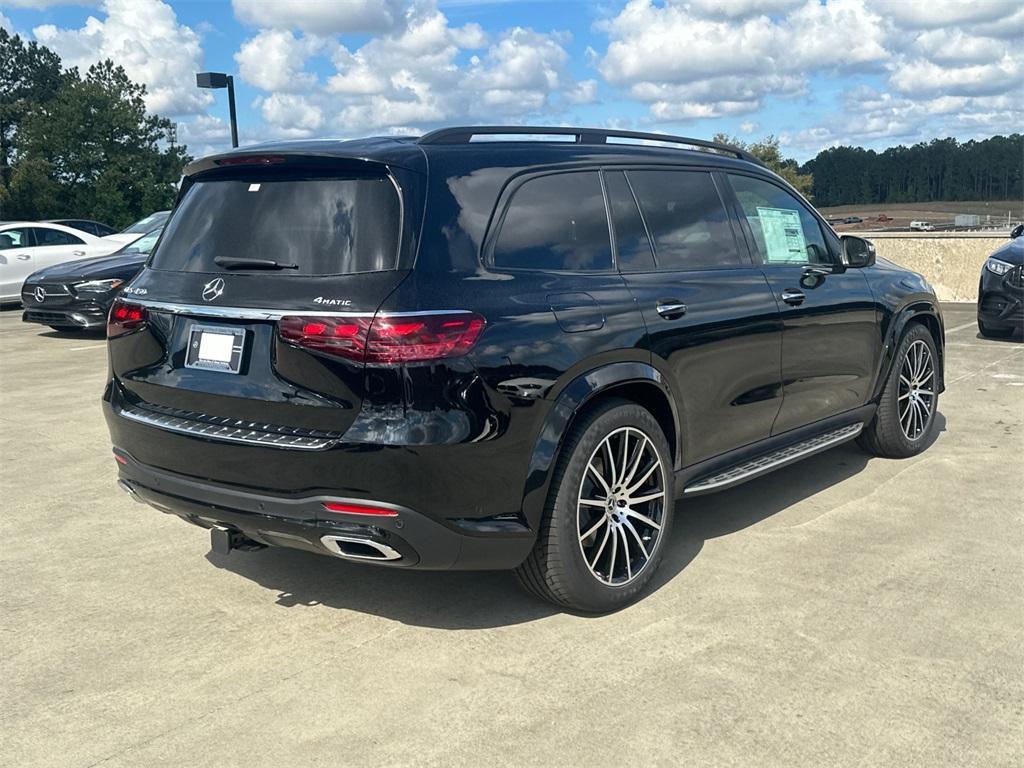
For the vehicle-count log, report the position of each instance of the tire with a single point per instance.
(994, 333)
(906, 411)
(609, 568)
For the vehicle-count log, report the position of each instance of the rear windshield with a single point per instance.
(315, 226)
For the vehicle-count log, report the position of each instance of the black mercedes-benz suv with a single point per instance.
(480, 349)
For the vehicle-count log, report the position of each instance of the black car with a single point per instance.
(77, 295)
(1001, 289)
(515, 353)
(86, 225)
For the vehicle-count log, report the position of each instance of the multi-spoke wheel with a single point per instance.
(609, 511)
(916, 390)
(621, 505)
(906, 410)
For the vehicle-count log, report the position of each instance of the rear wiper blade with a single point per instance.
(229, 262)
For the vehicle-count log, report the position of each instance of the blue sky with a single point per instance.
(816, 73)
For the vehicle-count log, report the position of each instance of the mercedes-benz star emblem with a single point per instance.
(213, 289)
(40, 294)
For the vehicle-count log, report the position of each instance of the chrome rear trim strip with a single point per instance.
(256, 313)
(231, 434)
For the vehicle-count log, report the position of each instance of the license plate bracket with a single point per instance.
(215, 348)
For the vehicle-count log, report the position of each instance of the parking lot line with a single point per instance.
(91, 346)
(972, 324)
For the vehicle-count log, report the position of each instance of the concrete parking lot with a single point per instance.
(844, 611)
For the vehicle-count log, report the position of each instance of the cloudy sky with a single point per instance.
(813, 72)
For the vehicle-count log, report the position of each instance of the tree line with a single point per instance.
(80, 146)
(942, 169)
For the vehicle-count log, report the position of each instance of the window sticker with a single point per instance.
(784, 239)
(254, 187)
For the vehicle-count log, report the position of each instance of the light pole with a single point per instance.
(221, 80)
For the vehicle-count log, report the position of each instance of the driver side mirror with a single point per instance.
(1017, 231)
(857, 252)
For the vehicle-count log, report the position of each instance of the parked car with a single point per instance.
(30, 245)
(922, 226)
(140, 227)
(852, 220)
(1001, 289)
(458, 367)
(77, 295)
(86, 225)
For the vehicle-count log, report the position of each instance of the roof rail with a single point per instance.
(465, 134)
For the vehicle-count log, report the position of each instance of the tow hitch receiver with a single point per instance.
(223, 540)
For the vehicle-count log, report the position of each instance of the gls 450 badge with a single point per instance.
(332, 302)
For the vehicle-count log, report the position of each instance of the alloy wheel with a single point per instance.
(916, 397)
(621, 506)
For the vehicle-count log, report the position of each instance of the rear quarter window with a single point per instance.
(556, 222)
(322, 226)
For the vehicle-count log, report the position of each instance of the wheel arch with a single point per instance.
(636, 382)
(922, 312)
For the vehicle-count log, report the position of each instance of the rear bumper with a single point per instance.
(409, 539)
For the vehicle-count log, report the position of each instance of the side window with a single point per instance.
(556, 222)
(14, 238)
(686, 218)
(784, 230)
(55, 237)
(631, 240)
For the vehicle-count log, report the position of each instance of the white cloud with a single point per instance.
(294, 116)
(423, 73)
(690, 60)
(585, 92)
(741, 9)
(273, 60)
(5, 23)
(145, 38)
(748, 127)
(931, 14)
(323, 17)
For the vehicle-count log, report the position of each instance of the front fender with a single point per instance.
(572, 398)
(915, 309)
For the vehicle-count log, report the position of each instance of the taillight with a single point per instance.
(125, 317)
(386, 339)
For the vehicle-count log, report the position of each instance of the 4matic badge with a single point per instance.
(332, 302)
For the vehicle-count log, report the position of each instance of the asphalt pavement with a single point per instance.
(843, 611)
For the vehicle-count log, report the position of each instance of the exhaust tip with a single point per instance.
(354, 548)
(127, 488)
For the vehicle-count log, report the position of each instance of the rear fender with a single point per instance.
(580, 392)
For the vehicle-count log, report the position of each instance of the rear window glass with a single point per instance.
(556, 222)
(315, 226)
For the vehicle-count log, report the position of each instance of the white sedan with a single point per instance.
(26, 246)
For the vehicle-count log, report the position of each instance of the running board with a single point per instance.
(748, 470)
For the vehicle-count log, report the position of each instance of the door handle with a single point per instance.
(78, 253)
(670, 309)
(793, 297)
(24, 256)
